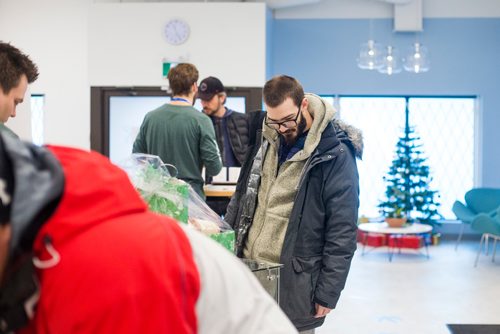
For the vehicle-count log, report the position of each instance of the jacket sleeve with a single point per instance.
(232, 211)
(140, 145)
(209, 150)
(341, 200)
(238, 135)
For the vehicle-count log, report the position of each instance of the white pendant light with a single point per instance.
(391, 63)
(417, 59)
(370, 55)
(387, 60)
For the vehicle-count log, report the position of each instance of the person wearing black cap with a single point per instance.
(17, 71)
(85, 255)
(231, 127)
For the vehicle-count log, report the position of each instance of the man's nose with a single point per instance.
(284, 127)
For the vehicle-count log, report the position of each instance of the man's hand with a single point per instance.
(321, 311)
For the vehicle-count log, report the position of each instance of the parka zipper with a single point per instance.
(264, 148)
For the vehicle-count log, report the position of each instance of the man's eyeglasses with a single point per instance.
(288, 124)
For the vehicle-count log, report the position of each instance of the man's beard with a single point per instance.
(290, 136)
(211, 112)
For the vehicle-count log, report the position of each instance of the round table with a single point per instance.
(383, 228)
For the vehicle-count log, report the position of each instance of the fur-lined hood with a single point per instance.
(323, 112)
(354, 136)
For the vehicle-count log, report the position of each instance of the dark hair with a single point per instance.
(281, 87)
(181, 78)
(13, 64)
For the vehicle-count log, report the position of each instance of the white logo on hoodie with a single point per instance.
(4, 196)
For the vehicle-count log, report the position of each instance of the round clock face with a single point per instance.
(176, 31)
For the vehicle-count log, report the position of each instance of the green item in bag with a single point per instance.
(226, 239)
(171, 199)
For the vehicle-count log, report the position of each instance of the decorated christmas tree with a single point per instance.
(408, 192)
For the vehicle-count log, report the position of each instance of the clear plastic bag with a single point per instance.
(163, 193)
(205, 220)
(175, 198)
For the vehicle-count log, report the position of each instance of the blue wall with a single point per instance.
(269, 39)
(465, 60)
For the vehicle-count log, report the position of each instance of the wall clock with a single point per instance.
(176, 31)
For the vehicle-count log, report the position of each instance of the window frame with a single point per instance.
(477, 117)
(100, 107)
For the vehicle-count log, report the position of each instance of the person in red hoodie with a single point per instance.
(81, 253)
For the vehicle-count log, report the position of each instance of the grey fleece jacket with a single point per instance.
(278, 187)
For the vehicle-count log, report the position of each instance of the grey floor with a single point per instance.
(416, 295)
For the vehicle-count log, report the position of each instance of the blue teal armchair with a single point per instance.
(489, 227)
(478, 200)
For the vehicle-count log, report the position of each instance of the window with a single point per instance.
(37, 104)
(112, 132)
(126, 114)
(446, 130)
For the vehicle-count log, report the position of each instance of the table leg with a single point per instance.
(479, 250)
(486, 246)
(365, 236)
(494, 250)
(391, 249)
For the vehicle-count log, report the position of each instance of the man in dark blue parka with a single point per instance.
(297, 200)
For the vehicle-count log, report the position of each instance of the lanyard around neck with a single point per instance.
(180, 99)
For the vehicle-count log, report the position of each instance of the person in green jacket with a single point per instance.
(16, 72)
(179, 134)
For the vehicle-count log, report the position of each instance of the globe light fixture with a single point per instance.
(370, 55)
(417, 59)
(391, 62)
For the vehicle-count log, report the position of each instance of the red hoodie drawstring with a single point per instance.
(55, 257)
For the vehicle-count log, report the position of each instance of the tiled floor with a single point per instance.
(416, 295)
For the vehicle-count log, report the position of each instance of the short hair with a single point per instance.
(182, 77)
(225, 97)
(13, 64)
(281, 87)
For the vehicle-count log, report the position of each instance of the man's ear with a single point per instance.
(305, 103)
(224, 98)
(305, 106)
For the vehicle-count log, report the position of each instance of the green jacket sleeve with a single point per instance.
(140, 145)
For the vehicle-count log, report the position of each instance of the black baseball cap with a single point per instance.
(209, 87)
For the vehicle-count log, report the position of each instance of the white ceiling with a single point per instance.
(345, 9)
(270, 3)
